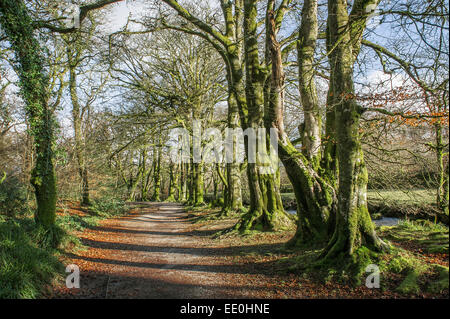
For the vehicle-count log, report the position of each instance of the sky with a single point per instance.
(119, 13)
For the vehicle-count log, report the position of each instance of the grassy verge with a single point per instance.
(27, 262)
(419, 236)
(30, 255)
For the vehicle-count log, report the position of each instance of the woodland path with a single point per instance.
(158, 252)
(150, 254)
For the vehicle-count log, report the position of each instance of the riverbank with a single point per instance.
(401, 204)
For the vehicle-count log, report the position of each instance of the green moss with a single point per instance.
(413, 269)
(362, 257)
(399, 264)
(430, 237)
(349, 269)
(442, 283)
(438, 249)
(410, 285)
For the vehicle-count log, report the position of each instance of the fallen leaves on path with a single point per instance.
(158, 253)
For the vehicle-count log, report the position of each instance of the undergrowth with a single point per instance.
(29, 252)
(28, 259)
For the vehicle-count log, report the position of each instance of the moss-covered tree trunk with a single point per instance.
(215, 183)
(172, 182)
(266, 211)
(443, 179)
(354, 227)
(236, 100)
(157, 172)
(178, 183)
(198, 184)
(233, 193)
(315, 198)
(190, 182)
(224, 183)
(18, 26)
(306, 46)
(146, 175)
(183, 182)
(329, 158)
(80, 147)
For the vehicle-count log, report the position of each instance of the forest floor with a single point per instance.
(161, 251)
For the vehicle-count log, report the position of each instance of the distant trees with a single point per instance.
(179, 80)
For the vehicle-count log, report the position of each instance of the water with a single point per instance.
(385, 221)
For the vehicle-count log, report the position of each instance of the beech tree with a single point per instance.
(354, 228)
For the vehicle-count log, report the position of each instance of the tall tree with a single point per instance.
(315, 197)
(18, 26)
(354, 228)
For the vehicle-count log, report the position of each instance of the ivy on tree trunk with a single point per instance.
(18, 26)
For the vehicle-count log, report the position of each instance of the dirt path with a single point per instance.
(147, 255)
(158, 252)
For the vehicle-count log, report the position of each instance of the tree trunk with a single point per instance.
(157, 172)
(172, 182)
(354, 228)
(306, 47)
(80, 147)
(178, 183)
(198, 184)
(184, 181)
(315, 198)
(443, 182)
(233, 194)
(190, 182)
(266, 211)
(215, 186)
(18, 26)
